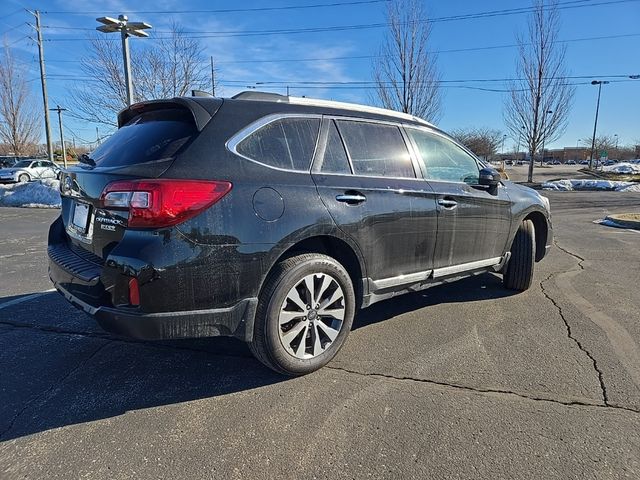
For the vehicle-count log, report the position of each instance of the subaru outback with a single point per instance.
(274, 219)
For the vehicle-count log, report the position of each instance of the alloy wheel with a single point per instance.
(311, 315)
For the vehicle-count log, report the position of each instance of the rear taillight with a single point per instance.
(162, 202)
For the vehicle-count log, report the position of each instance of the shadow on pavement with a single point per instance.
(59, 369)
(485, 286)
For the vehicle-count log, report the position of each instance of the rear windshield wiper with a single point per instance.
(84, 158)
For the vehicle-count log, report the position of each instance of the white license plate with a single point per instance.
(80, 216)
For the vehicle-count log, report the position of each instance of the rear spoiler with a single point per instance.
(201, 108)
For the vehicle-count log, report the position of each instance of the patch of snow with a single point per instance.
(596, 184)
(623, 167)
(42, 194)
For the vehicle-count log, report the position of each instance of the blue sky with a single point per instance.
(463, 107)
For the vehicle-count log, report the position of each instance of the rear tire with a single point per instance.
(519, 272)
(23, 178)
(304, 314)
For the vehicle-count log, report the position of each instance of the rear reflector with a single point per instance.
(134, 292)
(162, 202)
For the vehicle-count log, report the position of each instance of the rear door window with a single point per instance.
(149, 137)
(284, 143)
(376, 149)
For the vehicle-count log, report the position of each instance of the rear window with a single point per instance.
(285, 143)
(149, 137)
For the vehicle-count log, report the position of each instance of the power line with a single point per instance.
(364, 57)
(230, 10)
(572, 4)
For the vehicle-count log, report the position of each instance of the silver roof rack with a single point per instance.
(356, 107)
(315, 102)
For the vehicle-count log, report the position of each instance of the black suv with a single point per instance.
(274, 219)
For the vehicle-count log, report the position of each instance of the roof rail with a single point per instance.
(356, 107)
(276, 97)
(257, 95)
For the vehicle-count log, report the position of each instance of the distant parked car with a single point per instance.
(28, 170)
(584, 162)
(8, 162)
(571, 162)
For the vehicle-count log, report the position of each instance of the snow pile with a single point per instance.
(569, 185)
(42, 194)
(623, 167)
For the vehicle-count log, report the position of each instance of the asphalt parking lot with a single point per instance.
(465, 380)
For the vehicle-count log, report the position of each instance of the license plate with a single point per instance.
(80, 216)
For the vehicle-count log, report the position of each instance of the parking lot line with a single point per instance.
(15, 301)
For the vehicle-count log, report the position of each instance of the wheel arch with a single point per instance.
(338, 248)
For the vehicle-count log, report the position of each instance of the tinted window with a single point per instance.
(284, 143)
(443, 159)
(377, 150)
(335, 158)
(151, 136)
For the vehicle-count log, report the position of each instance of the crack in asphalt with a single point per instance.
(56, 383)
(603, 387)
(495, 391)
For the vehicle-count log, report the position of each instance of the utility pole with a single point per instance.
(64, 150)
(595, 123)
(126, 29)
(213, 79)
(43, 80)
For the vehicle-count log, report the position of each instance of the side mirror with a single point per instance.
(489, 177)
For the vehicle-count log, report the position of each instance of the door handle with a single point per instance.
(447, 203)
(351, 198)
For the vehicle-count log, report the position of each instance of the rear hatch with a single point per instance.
(150, 137)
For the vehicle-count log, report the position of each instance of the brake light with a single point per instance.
(162, 202)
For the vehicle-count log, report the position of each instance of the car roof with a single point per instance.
(203, 108)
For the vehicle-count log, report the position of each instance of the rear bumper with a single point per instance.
(232, 321)
(89, 287)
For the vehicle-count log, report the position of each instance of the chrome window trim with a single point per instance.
(234, 141)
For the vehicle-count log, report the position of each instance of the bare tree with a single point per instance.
(172, 67)
(405, 74)
(484, 142)
(19, 118)
(540, 101)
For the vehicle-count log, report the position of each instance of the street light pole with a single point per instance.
(127, 60)
(126, 29)
(595, 123)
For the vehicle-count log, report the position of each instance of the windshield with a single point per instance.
(23, 164)
(151, 136)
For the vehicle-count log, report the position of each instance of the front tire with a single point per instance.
(23, 178)
(304, 314)
(519, 272)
